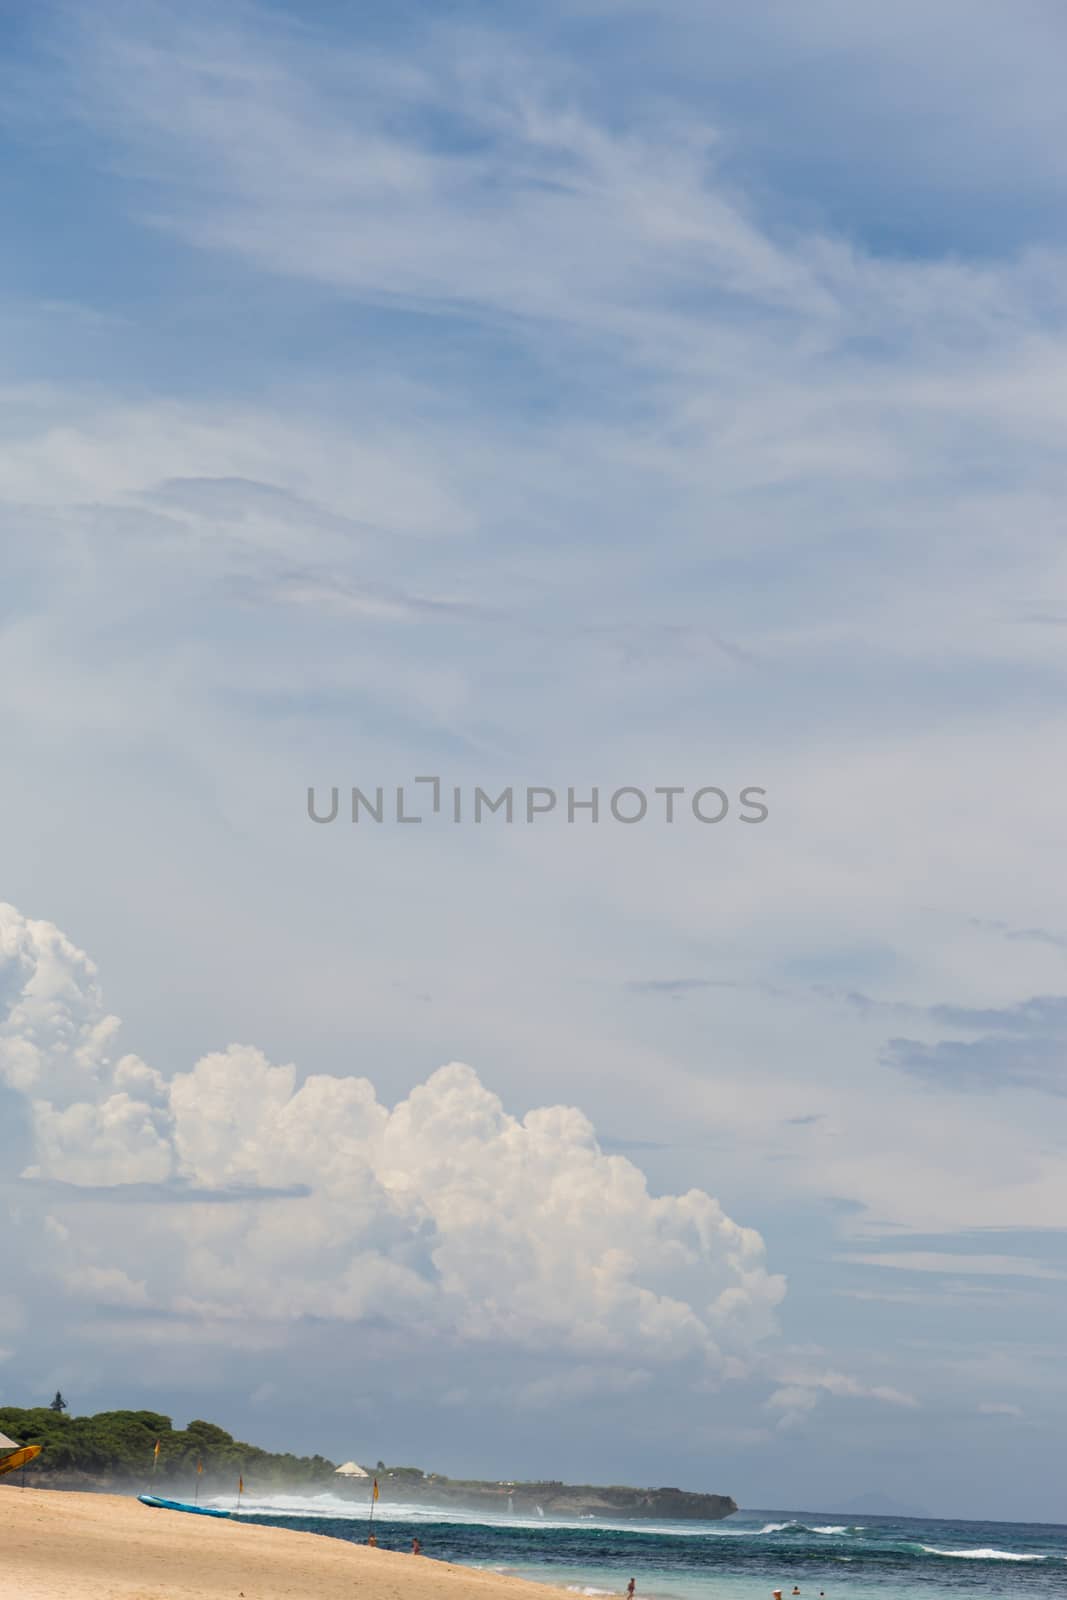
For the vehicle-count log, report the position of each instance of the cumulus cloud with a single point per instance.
(445, 1213)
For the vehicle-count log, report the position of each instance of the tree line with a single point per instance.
(119, 1447)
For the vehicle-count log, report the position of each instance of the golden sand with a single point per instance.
(59, 1546)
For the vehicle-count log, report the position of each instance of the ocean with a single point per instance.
(743, 1558)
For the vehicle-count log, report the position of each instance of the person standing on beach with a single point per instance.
(372, 1540)
(416, 1547)
(630, 1587)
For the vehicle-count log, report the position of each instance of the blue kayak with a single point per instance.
(180, 1505)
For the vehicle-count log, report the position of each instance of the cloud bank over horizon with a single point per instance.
(444, 1213)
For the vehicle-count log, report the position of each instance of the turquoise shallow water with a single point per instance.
(743, 1558)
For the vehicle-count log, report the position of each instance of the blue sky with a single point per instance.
(605, 395)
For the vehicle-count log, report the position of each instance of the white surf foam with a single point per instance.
(984, 1554)
(329, 1505)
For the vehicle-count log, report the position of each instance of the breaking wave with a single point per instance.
(834, 1528)
(986, 1553)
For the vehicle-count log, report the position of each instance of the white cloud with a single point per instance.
(799, 1394)
(108, 1286)
(310, 160)
(446, 1213)
(321, 179)
(984, 1266)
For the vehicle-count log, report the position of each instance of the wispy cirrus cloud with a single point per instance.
(1058, 941)
(958, 1265)
(800, 1393)
(1023, 1046)
(676, 988)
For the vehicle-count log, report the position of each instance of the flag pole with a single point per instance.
(240, 1492)
(199, 1470)
(370, 1520)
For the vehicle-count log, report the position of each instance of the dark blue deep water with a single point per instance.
(745, 1557)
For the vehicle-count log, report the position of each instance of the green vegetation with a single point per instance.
(118, 1447)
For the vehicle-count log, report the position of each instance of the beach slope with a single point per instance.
(60, 1546)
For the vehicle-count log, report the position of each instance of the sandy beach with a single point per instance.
(60, 1546)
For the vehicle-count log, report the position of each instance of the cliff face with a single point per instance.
(671, 1504)
(556, 1499)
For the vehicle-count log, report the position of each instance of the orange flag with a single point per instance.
(375, 1495)
(155, 1452)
